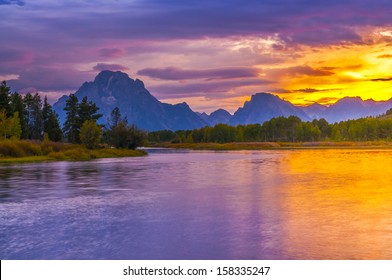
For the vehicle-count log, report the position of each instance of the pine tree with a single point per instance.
(5, 99)
(116, 118)
(87, 110)
(77, 115)
(33, 115)
(51, 122)
(71, 126)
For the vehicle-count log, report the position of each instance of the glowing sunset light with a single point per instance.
(300, 52)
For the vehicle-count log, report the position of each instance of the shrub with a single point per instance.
(90, 134)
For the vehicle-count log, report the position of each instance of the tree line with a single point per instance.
(28, 117)
(284, 129)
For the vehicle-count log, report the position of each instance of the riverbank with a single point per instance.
(275, 145)
(36, 151)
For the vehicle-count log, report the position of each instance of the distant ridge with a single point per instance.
(264, 106)
(116, 89)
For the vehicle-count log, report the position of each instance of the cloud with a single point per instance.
(50, 79)
(173, 73)
(12, 2)
(151, 34)
(111, 52)
(13, 60)
(279, 90)
(219, 89)
(385, 56)
(381, 79)
(327, 100)
(303, 22)
(112, 67)
(313, 90)
(303, 70)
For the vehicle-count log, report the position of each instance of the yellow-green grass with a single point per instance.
(275, 145)
(36, 151)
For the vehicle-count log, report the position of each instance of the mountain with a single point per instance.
(264, 106)
(315, 110)
(115, 89)
(350, 108)
(217, 117)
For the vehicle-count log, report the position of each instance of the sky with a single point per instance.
(210, 54)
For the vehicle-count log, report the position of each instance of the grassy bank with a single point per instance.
(35, 151)
(274, 145)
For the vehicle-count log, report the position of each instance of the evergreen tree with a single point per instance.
(33, 115)
(77, 115)
(116, 118)
(87, 110)
(18, 106)
(51, 122)
(71, 125)
(5, 99)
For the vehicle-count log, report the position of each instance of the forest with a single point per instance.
(29, 117)
(30, 129)
(284, 129)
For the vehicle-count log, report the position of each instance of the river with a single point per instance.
(179, 204)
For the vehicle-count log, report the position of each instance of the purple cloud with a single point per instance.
(303, 70)
(111, 52)
(112, 67)
(219, 89)
(54, 38)
(50, 79)
(173, 73)
(12, 2)
(12, 60)
(303, 21)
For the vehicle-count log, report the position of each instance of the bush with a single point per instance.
(77, 154)
(90, 134)
(10, 148)
(128, 137)
(57, 155)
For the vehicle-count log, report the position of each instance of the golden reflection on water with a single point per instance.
(337, 204)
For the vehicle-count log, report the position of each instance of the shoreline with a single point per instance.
(275, 145)
(37, 159)
(30, 152)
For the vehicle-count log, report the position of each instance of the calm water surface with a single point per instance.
(312, 204)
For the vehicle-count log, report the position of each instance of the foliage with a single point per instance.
(51, 122)
(10, 127)
(33, 115)
(87, 110)
(116, 119)
(120, 135)
(5, 99)
(126, 137)
(27, 151)
(76, 115)
(10, 148)
(90, 134)
(71, 125)
(18, 106)
(282, 129)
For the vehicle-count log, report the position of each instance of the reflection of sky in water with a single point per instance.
(200, 205)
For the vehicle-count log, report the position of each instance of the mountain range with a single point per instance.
(116, 89)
